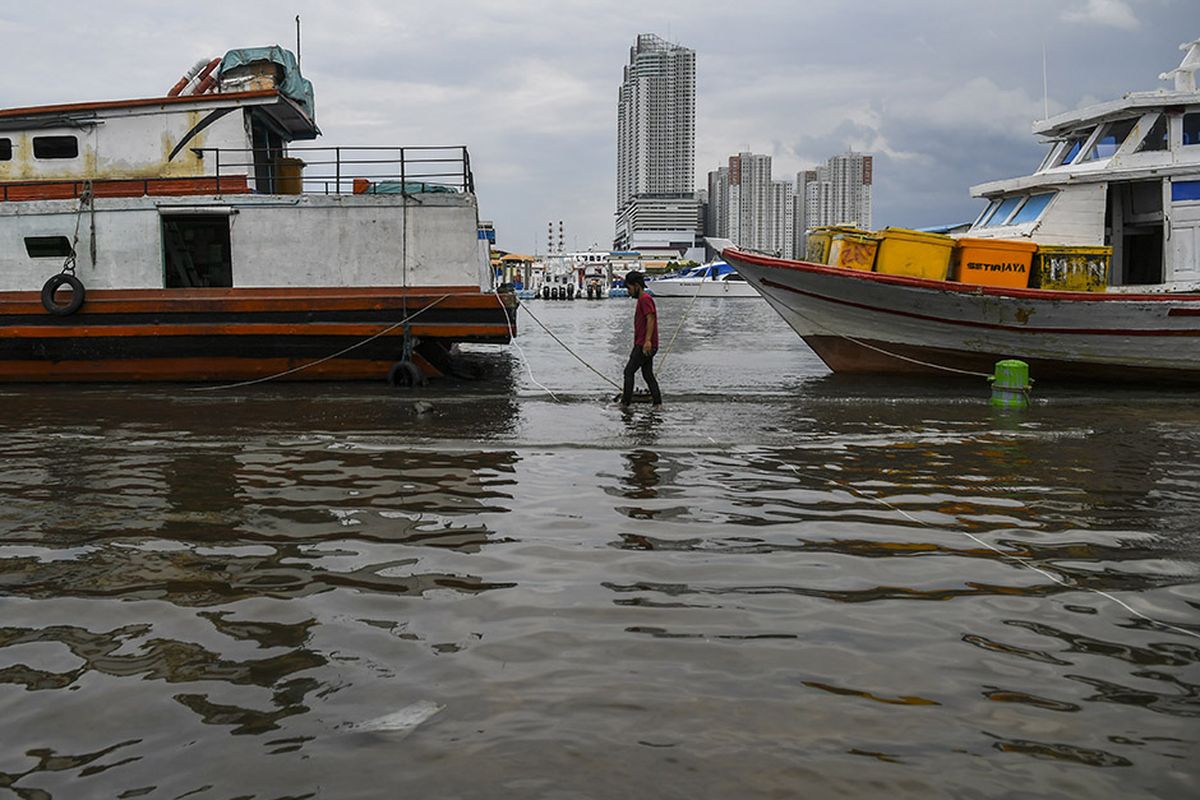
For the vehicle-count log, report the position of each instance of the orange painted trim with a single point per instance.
(105, 105)
(125, 301)
(361, 329)
(132, 187)
(190, 369)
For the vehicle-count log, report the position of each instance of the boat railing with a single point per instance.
(346, 170)
(312, 170)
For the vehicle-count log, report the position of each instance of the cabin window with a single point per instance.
(1156, 139)
(1110, 139)
(196, 251)
(987, 212)
(1074, 145)
(5, 149)
(48, 246)
(1191, 129)
(1032, 209)
(1003, 211)
(55, 147)
(1050, 156)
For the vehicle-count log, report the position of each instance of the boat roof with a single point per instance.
(1183, 94)
(286, 111)
(1062, 124)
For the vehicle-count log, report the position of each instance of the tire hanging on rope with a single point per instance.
(67, 276)
(51, 287)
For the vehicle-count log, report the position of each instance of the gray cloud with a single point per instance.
(942, 91)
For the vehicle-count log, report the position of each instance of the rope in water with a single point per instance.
(512, 337)
(580, 358)
(341, 352)
(662, 365)
(566, 347)
(881, 350)
(1024, 562)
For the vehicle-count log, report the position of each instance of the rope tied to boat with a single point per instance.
(882, 351)
(338, 354)
(86, 200)
(576, 356)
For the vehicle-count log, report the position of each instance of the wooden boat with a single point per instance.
(186, 237)
(870, 322)
(1124, 176)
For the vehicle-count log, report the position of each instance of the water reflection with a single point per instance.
(588, 594)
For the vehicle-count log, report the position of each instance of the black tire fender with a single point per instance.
(55, 283)
(405, 374)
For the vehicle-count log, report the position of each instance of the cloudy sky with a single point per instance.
(942, 91)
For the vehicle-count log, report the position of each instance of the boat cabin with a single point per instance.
(213, 184)
(1123, 174)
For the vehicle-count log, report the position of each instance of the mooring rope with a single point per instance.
(1024, 562)
(566, 347)
(662, 365)
(341, 352)
(512, 337)
(869, 346)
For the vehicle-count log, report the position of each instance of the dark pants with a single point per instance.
(639, 360)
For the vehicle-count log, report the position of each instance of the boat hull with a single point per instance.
(241, 334)
(872, 323)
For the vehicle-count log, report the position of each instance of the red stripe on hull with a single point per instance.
(952, 286)
(843, 355)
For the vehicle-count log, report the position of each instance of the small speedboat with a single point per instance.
(716, 279)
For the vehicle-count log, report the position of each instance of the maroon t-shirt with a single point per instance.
(645, 307)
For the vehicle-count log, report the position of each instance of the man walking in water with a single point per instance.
(645, 340)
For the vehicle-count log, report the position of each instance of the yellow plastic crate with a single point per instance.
(1071, 269)
(819, 241)
(914, 254)
(853, 250)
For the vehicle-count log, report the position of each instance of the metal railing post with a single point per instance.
(218, 170)
(403, 174)
(337, 181)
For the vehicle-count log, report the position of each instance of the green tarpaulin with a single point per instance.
(293, 85)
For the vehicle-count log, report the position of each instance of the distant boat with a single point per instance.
(1095, 271)
(716, 279)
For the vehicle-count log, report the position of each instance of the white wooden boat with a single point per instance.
(869, 322)
(1123, 174)
(716, 279)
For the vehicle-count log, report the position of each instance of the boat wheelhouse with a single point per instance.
(197, 240)
(1123, 174)
(1113, 292)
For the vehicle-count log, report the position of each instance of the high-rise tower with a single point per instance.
(656, 148)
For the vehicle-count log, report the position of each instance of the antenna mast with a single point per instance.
(1045, 85)
(297, 41)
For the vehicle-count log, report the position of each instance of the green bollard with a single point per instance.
(1011, 384)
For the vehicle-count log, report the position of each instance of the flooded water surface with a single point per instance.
(784, 584)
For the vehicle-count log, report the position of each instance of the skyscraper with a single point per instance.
(656, 148)
(749, 208)
(838, 193)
